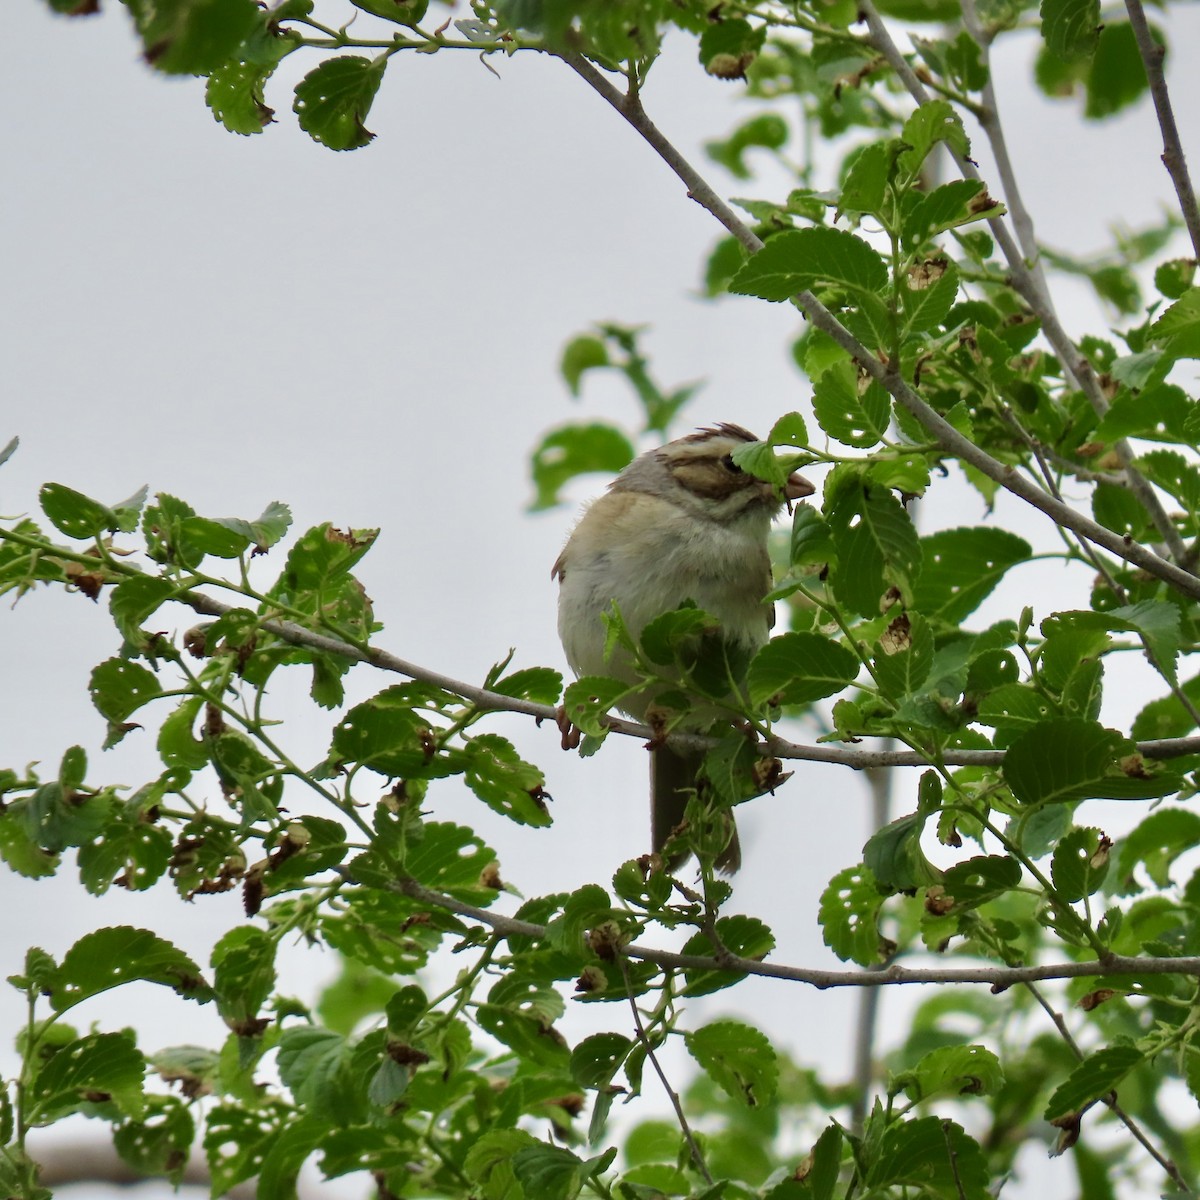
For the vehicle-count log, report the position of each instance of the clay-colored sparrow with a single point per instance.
(680, 523)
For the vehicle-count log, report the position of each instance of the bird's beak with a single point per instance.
(797, 487)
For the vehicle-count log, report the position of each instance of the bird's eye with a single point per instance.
(729, 465)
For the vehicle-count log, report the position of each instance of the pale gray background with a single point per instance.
(373, 338)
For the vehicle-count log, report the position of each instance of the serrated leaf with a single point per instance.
(1096, 1076)
(961, 567)
(738, 1059)
(802, 259)
(951, 1071)
(933, 122)
(850, 408)
(946, 207)
(243, 963)
(877, 548)
(849, 914)
(1063, 760)
(933, 1155)
(93, 1069)
(867, 179)
(76, 515)
(332, 101)
(234, 95)
(903, 655)
(1117, 77)
(504, 781)
(107, 958)
(1076, 869)
(119, 687)
(745, 936)
(799, 668)
(1157, 621)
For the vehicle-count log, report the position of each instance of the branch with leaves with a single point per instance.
(930, 338)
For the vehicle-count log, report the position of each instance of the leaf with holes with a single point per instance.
(332, 101)
(1080, 864)
(850, 408)
(961, 567)
(878, 552)
(849, 916)
(798, 668)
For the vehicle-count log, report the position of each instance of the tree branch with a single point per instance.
(489, 701)
(1025, 275)
(998, 978)
(945, 434)
(1173, 159)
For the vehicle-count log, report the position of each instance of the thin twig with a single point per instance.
(1110, 1101)
(1173, 159)
(947, 436)
(672, 1094)
(1027, 282)
(999, 979)
(489, 701)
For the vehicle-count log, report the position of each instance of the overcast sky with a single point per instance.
(372, 337)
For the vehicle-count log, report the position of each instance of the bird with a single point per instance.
(681, 523)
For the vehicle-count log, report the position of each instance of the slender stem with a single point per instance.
(1173, 159)
(672, 1094)
(1110, 1102)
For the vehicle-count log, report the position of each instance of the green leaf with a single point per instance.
(935, 121)
(597, 1058)
(583, 353)
(1063, 760)
(1070, 27)
(768, 131)
(904, 655)
(745, 936)
(575, 450)
(961, 567)
(538, 684)
(811, 542)
(107, 958)
(244, 976)
(129, 847)
(234, 94)
(933, 1155)
(1117, 77)
(160, 1142)
(947, 207)
(849, 916)
(950, 1071)
(1096, 1076)
(133, 601)
(315, 1065)
(98, 1068)
(738, 1059)
(1156, 621)
(894, 856)
(237, 1139)
(588, 700)
(867, 179)
(931, 287)
(119, 687)
(193, 37)
(76, 515)
(728, 47)
(1155, 844)
(803, 259)
(332, 101)
(1079, 865)
(507, 784)
(798, 668)
(851, 408)
(877, 548)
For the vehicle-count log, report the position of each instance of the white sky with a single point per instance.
(373, 338)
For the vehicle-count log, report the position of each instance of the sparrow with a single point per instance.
(682, 523)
